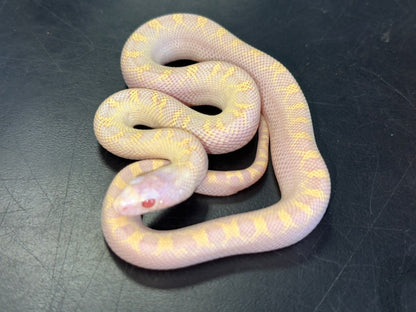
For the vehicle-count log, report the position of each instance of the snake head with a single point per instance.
(146, 193)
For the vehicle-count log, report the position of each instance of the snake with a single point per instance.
(155, 122)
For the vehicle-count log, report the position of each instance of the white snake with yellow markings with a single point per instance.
(250, 88)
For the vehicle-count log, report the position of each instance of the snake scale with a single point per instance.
(253, 91)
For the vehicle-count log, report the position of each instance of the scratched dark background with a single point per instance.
(355, 61)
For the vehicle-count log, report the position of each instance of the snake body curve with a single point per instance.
(241, 81)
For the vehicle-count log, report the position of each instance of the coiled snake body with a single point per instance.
(242, 81)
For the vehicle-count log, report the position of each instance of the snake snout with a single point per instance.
(137, 198)
(153, 191)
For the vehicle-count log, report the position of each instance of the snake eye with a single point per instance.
(148, 203)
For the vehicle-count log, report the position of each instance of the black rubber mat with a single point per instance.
(355, 61)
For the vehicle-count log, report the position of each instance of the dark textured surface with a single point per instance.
(355, 61)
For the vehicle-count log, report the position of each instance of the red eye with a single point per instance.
(148, 203)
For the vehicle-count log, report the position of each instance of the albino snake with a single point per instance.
(241, 81)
